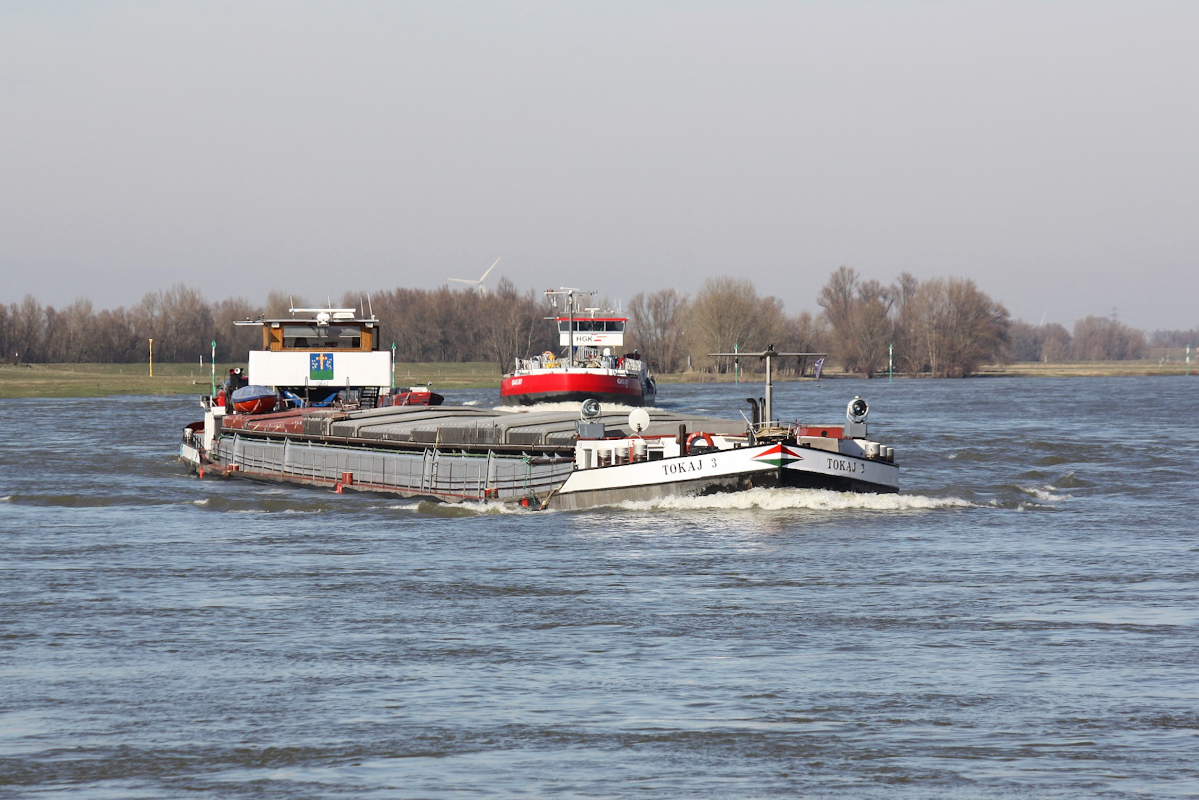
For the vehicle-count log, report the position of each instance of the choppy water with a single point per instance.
(1022, 621)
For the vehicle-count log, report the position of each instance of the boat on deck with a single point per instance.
(254, 399)
(593, 363)
(540, 458)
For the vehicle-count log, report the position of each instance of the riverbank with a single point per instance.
(1057, 369)
(102, 380)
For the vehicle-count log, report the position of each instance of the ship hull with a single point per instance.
(575, 385)
(458, 454)
(486, 476)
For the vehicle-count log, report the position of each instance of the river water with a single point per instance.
(1021, 621)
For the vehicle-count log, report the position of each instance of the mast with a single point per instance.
(570, 327)
(769, 354)
(569, 294)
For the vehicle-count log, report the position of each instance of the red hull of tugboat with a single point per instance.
(560, 387)
(413, 397)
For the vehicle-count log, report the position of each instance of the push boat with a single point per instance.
(326, 357)
(593, 364)
(555, 459)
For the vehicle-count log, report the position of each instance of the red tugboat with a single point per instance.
(593, 365)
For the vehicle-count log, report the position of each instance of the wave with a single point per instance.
(810, 499)
(457, 510)
(1047, 493)
(264, 505)
(86, 500)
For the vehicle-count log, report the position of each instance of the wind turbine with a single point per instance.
(479, 283)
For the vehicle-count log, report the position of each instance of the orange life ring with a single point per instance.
(707, 437)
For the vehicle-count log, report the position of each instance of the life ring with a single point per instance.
(548, 355)
(707, 437)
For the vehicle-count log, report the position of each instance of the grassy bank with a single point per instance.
(100, 380)
(1061, 369)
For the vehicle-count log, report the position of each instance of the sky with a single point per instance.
(1049, 151)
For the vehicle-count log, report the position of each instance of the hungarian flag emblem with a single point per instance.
(779, 456)
(320, 366)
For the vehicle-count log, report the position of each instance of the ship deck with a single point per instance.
(465, 426)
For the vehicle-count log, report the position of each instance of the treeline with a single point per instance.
(944, 327)
(444, 325)
(425, 325)
(1093, 339)
(179, 320)
(941, 327)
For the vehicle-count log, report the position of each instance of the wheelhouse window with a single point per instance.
(322, 337)
(593, 325)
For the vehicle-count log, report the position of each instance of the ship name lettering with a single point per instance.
(679, 467)
(842, 465)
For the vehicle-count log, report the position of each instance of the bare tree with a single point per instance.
(27, 330)
(1175, 338)
(728, 313)
(859, 314)
(1103, 339)
(235, 341)
(179, 321)
(514, 325)
(6, 352)
(116, 338)
(1048, 342)
(950, 328)
(70, 334)
(802, 333)
(658, 327)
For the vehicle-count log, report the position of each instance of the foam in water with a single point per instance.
(469, 509)
(1046, 493)
(404, 507)
(813, 499)
(764, 499)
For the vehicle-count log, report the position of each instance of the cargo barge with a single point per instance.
(541, 459)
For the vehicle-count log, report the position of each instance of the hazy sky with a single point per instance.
(1049, 151)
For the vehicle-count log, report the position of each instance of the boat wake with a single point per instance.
(458, 510)
(754, 499)
(811, 499)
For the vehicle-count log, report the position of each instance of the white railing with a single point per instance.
(611, 363)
